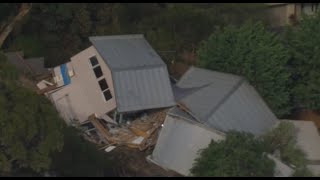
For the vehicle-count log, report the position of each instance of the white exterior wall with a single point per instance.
(84, 96)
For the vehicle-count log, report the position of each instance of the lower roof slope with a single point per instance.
(225, 102)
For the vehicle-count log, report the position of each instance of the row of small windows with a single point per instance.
(102, 83)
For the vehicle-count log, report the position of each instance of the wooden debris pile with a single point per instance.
(139, 134)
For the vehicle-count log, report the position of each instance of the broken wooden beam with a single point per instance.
(102, 130)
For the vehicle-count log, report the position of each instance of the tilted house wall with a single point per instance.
(136, 77)
(83, 96)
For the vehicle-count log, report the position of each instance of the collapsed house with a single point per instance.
(122, 80)
(115, 78)
(209, 103)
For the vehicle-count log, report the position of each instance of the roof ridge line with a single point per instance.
(137, 68)
(233, 89)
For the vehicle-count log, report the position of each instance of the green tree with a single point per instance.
(62, 29)
(284, 139)
(240, 154)
(253, 52)
(80, 157)
(30, 130)
(303, 42)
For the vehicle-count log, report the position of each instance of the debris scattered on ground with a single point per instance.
(141, 133)
(110, 148)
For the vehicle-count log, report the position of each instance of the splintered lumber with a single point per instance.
(149, 142)
(145, 129)
(103, 131)
(140, 134)
(43, 76)
(47, 89)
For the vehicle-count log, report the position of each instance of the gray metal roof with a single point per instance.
(126, 51)
(36, 64)
(140, 77)
(177, 112)
(228, 103)
(142, 89)
(179, 143)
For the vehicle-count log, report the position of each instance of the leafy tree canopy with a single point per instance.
(240, 154)
(253, 52)
(80, 157)
(30, 129)
(304, 45)
(283, 138)
(61, 30)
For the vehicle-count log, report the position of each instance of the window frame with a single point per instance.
(104, 80)
(104, 97)
(94, 56)
(97, 67)
(100, 78)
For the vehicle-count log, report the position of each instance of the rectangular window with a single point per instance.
(97, 71)
(94, 61)
(103, 84)
(107, 95)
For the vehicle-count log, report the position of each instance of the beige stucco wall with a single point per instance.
(84, 94)
(279, 13)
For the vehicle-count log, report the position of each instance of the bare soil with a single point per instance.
(307, 115)
(132, 163)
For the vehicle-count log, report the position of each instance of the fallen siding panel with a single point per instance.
(179, 143)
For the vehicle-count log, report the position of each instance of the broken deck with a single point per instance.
(140, 134)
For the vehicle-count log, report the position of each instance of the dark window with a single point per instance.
(103, 84)
(94, 61)
(107, 95)
(97, 71)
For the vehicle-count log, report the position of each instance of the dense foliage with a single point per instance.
(80, 157)
(31, 133)
(240, 154)
(283, 139)
(303, 43)
(60, 30)
(34, 139)
(255, 53)
(30, 130)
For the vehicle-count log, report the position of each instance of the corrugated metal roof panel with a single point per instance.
(177, 112)
(179, 143)
(126, 51)
(201, 102)
(245, 111)
(140, 77)
(228, 103)
(140, 89)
